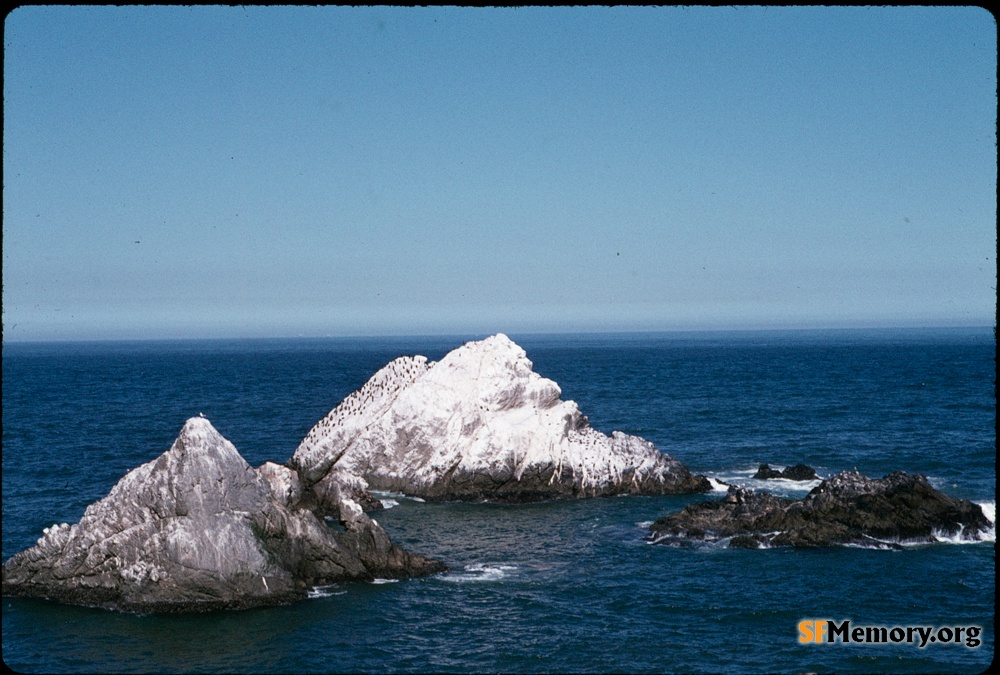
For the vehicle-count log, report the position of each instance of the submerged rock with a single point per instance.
(199, 529)
(479, 425)
(845, 509)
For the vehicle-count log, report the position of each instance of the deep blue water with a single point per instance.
(550, 587)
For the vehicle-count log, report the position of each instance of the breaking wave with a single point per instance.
(717, 486)
(480, 572)
(325, 591)
(990, 511)
(780, 487)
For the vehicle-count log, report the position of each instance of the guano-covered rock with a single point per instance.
(480, 425)
(199, 529)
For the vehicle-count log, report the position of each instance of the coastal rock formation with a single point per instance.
(199, 529)
(479, 425)
(797, 472)
(847, 508)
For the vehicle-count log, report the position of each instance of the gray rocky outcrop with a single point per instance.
(847, 508)
(479, 425)
(199, 529)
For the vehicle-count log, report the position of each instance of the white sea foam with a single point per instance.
(324, 591)
(936, 537)
(390, 498)
(384, 581)
(878, 545)
(644, 524)
(680, 541)
(480, 572)
(724, 542)
(989, 510)
(963, 537)
(718, 486)
(712, 545)
(659, 539)
(781, 487)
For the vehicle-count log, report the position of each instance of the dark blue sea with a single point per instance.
(562, 586)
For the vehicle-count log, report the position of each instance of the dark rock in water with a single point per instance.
(845, 509)
(743, 541)
(765, 472)
(199, 529)
(797, 472)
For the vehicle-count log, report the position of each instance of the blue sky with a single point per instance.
(245, 172)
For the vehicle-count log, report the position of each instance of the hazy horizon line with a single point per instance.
(530, 332)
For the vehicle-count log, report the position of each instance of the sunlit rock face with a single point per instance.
(480, 425)
(199, 529)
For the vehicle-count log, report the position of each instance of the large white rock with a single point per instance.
(200, 529)
(480, 424)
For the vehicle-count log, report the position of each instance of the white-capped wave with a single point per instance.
(384, 581)
(644, 524)
(324, 591)
(480, 572)
(388, 503)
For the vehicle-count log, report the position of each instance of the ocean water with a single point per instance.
(561, 586)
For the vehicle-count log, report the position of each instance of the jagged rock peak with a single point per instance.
(480, 424)
(199, 529)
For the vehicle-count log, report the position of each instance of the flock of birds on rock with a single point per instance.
(403, 371)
